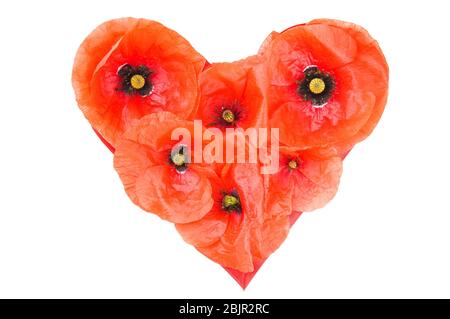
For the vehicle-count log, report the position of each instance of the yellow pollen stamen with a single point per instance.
(293, 164)
(178, 159)
(317, 85)
(229, 200)
(228, 116)
(137, 81)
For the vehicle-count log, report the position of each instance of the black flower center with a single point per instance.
(179, 158)
(231, 202)
(317, 86)
(135, 80)
(227, 115)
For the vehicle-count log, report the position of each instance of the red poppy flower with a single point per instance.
(306, 180)
(327, 83)
(235, 232)
(127, 68)
(230, 95)
(159, 174)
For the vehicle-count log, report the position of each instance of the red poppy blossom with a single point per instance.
(235, 232)
(327, 83)
(158, 173)
(127, 68)
(230, 95)
(306, 180)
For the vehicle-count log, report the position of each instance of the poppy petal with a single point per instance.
(279, 194)
(273, 233)
(233, 249)
(316, 184)
(250, 184)
(205, 231)
(178, 198)
(376, 75)
(130, 160)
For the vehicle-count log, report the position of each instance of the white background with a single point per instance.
(67, 228)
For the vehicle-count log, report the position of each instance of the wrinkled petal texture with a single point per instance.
(232, 239)
(178, 198)
(142, 162)
(316, 183)
(175, 66)
(358, 67)
(308, 187)
(377, 74)
(273, 233)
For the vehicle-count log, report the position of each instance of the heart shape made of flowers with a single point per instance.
(323, 85)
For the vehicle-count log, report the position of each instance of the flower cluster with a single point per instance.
(322, 84)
